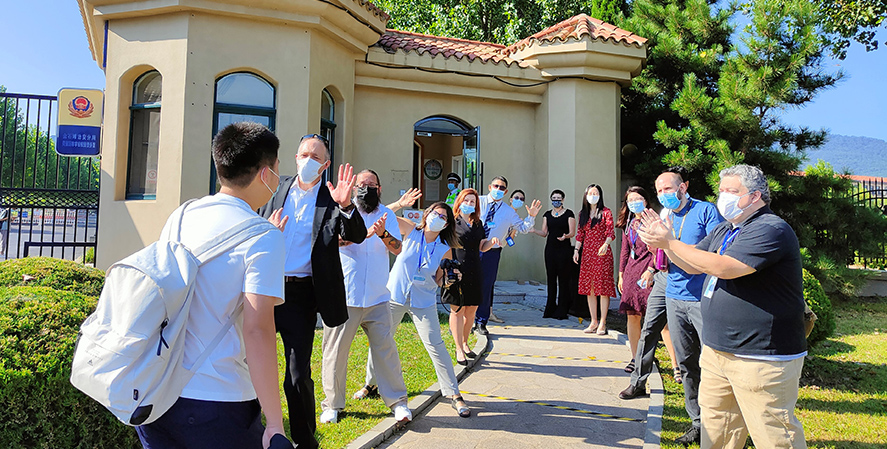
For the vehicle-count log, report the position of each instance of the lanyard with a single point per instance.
(632, 232)
(681, 231)
(728, 239)
(422, 261)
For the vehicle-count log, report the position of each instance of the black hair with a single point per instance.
(367, 170)
(563, 195)
(500, 178)
(240, 150)
(678, 170)
(584, 215)
(516, 191)
(624, 213)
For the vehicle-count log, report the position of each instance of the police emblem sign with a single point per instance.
(79, 122)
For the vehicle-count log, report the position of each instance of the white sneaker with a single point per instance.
(330, 416)
(402, 413)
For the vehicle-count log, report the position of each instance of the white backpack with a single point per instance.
(129, 354)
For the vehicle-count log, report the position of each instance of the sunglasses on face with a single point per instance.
(316, 136)
(518, 198)
(499, 187)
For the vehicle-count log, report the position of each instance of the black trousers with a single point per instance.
(295, 320)
(195, 424)
(559, 268)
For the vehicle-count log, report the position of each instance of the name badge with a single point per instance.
(491, 225)
(633, 255)
(419, 279)
(710, 287)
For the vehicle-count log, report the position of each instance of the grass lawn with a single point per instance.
(843, 397)
(361, 416)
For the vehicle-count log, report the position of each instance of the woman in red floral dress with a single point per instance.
(596, 270)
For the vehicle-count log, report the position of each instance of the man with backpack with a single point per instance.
(316, 215)
(221, 405)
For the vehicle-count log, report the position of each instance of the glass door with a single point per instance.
(470, 159)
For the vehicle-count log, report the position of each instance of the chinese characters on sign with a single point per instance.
(79, 122)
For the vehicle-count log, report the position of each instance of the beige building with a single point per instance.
(543, 112)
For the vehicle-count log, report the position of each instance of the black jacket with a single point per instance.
(326, 267)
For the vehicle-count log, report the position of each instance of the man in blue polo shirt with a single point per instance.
(753, 307)
(692, 220)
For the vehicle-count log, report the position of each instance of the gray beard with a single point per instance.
(364, 207)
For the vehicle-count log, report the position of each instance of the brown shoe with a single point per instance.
(632, 392)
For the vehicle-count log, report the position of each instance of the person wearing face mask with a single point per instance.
(559, 226)
(693, 220)
(454, 181)
(517, 202)
(472, 242)
(753, 309)
(595, 234)
(365, 266)
(497, 219)
(315, 216)
(413, 283)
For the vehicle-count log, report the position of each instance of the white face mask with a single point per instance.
(728, 205)
(592, 199)
(309, 169)
(434, 223)
(266, 184)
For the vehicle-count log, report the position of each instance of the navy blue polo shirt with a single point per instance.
(761, 313)
(690, 225)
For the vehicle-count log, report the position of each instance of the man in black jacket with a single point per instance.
(312, 216)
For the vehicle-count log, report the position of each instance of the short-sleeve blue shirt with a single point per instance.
(690, 225)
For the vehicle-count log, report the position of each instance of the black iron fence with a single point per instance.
(873, 193)
(50, 202)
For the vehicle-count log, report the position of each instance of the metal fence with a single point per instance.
(50, 202)
(873, 193)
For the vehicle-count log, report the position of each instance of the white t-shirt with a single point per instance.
(255, 266)
(365, 265)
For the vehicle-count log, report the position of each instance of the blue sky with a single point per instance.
(50, 51)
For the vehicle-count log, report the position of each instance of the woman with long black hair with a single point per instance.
(593, 240)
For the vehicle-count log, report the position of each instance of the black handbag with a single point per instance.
(452, 295)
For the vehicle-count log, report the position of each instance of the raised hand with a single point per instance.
(534, 208)
(409, 198)
(277, 221)
(342, 192)
(378, 227)
(653, 231)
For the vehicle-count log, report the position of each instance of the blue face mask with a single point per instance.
(516, 203)
(451, 186)
(669, 200)
(557, 203)
(496, 194)
(636, 207)
(466, 209)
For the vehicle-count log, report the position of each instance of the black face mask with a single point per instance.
(367, 198)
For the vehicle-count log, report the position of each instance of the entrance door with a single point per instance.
(445, 145)
(471, 175)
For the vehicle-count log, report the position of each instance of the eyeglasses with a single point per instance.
(316, 136)
(518, 198)
(442, 216)
(368, 186)
(499, 187)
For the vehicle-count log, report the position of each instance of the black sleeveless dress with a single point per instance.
(469, 256)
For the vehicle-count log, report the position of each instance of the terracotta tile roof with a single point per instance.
(374, 9)
(448, 47)
(576, 28)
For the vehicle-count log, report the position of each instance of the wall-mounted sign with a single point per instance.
(79, 122)
(433, 169)
(413, 215)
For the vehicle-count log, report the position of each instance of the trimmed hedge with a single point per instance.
(57, 274)
(819, 302)
(39, 408)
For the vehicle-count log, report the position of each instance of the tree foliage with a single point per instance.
(852, 20)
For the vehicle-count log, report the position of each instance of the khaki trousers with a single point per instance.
(376, 323)
(739, 396)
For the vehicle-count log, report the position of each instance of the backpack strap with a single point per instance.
(229, 239)
(212, 345)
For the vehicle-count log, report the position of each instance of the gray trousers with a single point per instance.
(376, 323)
(685, 325)
(654, 322)
(428, 327)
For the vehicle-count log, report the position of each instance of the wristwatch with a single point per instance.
(349, 208)
(385, 235)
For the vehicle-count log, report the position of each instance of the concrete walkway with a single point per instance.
(543, 384)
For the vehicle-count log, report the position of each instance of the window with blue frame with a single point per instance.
(144, 137)
(241, 97)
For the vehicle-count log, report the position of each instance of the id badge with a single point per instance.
(710, 287)
(491, 225)
(418, 279)
(633, 255)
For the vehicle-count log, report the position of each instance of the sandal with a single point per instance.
(471, 355)
(630, 367)
(677, 375)
(591, 328)
(368, 391)
(460, 407)
(602, 329)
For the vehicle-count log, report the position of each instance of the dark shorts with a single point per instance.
(196, 424)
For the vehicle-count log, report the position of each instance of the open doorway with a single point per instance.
(444, 145)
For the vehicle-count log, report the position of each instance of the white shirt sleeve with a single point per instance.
(264, 266)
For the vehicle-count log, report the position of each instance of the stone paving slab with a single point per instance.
(549, 386)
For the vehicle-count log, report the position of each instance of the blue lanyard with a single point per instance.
(422, 261)
(632, 231)
(728, 239)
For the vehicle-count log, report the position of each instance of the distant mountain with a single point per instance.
(863, 156)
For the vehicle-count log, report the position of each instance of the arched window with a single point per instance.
(144, 137)
(241, 97)
(328, 127)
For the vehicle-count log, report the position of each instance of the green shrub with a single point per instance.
(821, 306)
(57, 274)
(39, 408)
